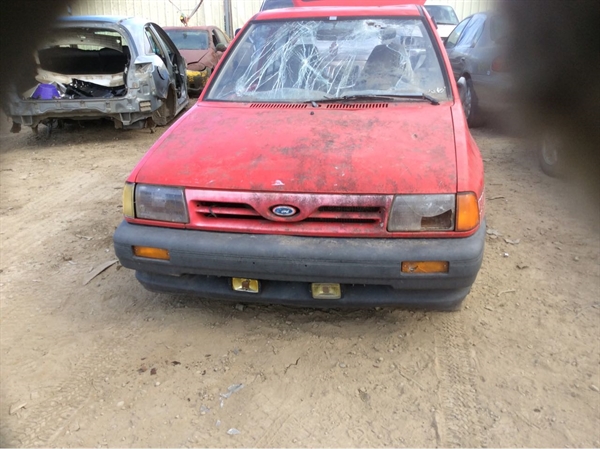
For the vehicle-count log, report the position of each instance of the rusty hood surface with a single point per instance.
(197, 59)
(388, 148)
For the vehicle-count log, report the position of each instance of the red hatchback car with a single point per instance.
(327, 163)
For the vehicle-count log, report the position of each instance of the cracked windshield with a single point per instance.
(321, 60)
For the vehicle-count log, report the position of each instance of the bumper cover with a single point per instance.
(124, 109)
(368, 269)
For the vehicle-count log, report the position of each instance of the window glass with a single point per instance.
(154, 46)
(274, 4)
(443, 14)
(189, 39)
(304, 60)
(472, 31)
(222, 38)
(456, 33)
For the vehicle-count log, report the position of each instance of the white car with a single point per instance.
(444, 17)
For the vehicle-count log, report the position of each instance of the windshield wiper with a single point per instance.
(422, 96)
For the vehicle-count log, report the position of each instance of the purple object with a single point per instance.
(45, 92)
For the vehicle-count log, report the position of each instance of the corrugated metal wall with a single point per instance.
(165, 12)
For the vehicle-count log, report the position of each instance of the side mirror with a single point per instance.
(236, 32)
(221, 47)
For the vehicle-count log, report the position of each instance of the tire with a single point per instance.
(470, 107)
(549, 155)
(164, 114)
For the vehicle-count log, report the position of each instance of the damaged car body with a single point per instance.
(202, 47)
(91, 67)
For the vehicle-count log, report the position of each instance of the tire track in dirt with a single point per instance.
(44, 421)
(457, 423)
(28, 227)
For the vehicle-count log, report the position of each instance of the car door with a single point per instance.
(221, 39)
(491, 78)
(463, 59)
(160, 69)
(175, 62)
(451, 43)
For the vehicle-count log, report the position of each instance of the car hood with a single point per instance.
(387, 148)
(195, 56)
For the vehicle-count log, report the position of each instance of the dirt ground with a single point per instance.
(105, 363)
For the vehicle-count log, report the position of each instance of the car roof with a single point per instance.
(355, 3)
(340, 11)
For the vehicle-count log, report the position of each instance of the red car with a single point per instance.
(202, 47)
(309, 174)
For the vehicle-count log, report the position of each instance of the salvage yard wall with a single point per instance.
(212, 12)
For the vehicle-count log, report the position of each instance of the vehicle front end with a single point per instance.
(194, 45)
(296, 180)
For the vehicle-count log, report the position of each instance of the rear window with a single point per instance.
(443, 15)
(189, 39)
(91, 39)
(275, 4)
(304, 60)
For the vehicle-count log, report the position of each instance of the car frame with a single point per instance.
(152, 86)
(325, 209)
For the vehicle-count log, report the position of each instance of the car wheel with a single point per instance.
(469, 103)
(164, 114)
(549, 155)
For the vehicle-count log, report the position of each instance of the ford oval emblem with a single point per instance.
(284, 211)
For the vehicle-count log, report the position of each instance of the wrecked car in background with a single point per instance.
(92, 67)
(202, 47)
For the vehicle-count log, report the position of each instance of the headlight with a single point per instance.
(422, 213)
(160, 203)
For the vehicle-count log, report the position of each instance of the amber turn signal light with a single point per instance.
(425, 266)
(128, 200)
(467, 211)
(151, 253)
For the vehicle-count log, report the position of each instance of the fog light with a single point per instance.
(245, 285)
(326, 291)
(431, 266)
(151, 253)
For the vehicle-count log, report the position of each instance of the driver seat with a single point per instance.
(382, 69)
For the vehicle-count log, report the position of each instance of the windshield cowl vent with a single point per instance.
(358, 106)
(278, 106)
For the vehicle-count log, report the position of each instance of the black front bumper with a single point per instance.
(368, 269)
